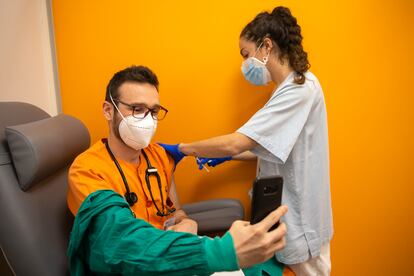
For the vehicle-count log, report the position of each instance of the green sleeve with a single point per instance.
(220, 253)
(119, 243)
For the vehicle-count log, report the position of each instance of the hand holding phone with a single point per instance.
(267, 197)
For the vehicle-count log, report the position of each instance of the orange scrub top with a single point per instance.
(94, 170)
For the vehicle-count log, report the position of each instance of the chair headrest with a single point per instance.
(41, 148)
(16, 113)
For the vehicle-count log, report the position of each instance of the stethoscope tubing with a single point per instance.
(150, 171)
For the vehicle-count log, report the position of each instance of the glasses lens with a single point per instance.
(140, 112)
(156, 113)
(159, 114)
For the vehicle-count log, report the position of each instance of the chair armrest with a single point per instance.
(214, 216)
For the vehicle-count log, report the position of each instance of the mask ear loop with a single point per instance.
(266, 58)
(116, 107)
(257, 50)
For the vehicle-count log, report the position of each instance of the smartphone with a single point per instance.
(267, 197)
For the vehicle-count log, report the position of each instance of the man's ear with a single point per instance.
(108, 110)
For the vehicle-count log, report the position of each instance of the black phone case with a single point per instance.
(267, 197)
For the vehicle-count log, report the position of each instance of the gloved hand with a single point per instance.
(174, 151)
(212, 162)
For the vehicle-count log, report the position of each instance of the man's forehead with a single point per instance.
(135, 92)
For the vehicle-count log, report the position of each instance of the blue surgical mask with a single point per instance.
(255, 71)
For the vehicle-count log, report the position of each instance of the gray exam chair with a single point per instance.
(36, 151)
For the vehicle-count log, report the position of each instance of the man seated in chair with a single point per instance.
(122, 194)
(121, 162)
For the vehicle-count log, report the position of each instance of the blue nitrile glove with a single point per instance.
(174, 151)
(212, 162)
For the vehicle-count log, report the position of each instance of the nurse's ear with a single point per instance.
(108, 110)
(274, 50)
(268, 44)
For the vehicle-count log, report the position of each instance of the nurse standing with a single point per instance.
(288, 135)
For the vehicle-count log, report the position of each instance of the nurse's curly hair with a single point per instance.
(282, 28)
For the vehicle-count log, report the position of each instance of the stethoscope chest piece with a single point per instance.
(131, 198)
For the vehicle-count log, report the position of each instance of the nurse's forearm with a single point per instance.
(221, 146)
(245, 156)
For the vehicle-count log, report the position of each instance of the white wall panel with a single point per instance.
(27, 68)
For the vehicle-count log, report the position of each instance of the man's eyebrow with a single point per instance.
(155, 106)
(143, 104)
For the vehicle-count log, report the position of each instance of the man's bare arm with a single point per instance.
(182, 222)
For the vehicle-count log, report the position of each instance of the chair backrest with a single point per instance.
(35, 153)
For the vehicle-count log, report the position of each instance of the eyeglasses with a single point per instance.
(140, 111)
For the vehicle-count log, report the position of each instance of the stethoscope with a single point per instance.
(132, 197)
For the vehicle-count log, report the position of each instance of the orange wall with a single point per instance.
(360, 50)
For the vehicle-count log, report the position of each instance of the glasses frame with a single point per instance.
(152, 110)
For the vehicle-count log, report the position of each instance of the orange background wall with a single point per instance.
(360, 50)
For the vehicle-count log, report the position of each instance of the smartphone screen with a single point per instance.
(267, 197)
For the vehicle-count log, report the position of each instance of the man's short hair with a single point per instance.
(140, 74)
